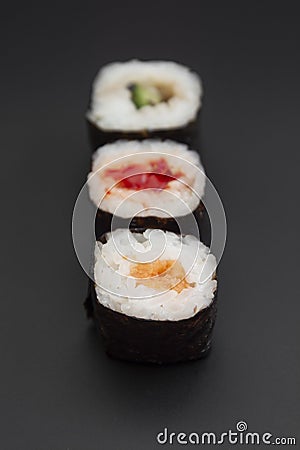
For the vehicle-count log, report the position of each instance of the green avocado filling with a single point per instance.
(143, 95)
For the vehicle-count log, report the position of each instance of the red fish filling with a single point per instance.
(154, 175)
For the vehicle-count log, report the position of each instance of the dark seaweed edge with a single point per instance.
(187, 134)
(103, 222)
(127, 337)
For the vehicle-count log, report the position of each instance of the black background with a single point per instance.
(58, 389)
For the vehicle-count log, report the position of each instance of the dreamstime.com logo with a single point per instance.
(240, 436)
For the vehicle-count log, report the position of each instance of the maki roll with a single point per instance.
(154, 296)
(147, 184)
(144, 99)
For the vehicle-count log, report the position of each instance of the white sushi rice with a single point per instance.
(179, 198)
(113, 109)
(119, 291)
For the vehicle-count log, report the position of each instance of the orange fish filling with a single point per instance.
(161, 274)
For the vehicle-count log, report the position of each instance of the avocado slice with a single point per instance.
(143, 95)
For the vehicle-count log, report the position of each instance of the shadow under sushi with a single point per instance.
(144, 391)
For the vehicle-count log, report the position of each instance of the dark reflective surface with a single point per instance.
(58, 389)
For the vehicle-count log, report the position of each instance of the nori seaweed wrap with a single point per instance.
(154, 331)
(188, 134)
(149, 184)
(138, 100)
(196, 222)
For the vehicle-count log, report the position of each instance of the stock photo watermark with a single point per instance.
(238, 436)
(148, 187)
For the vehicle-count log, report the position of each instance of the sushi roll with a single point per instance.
(144, 99)
(154, 296)
(147, 184)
